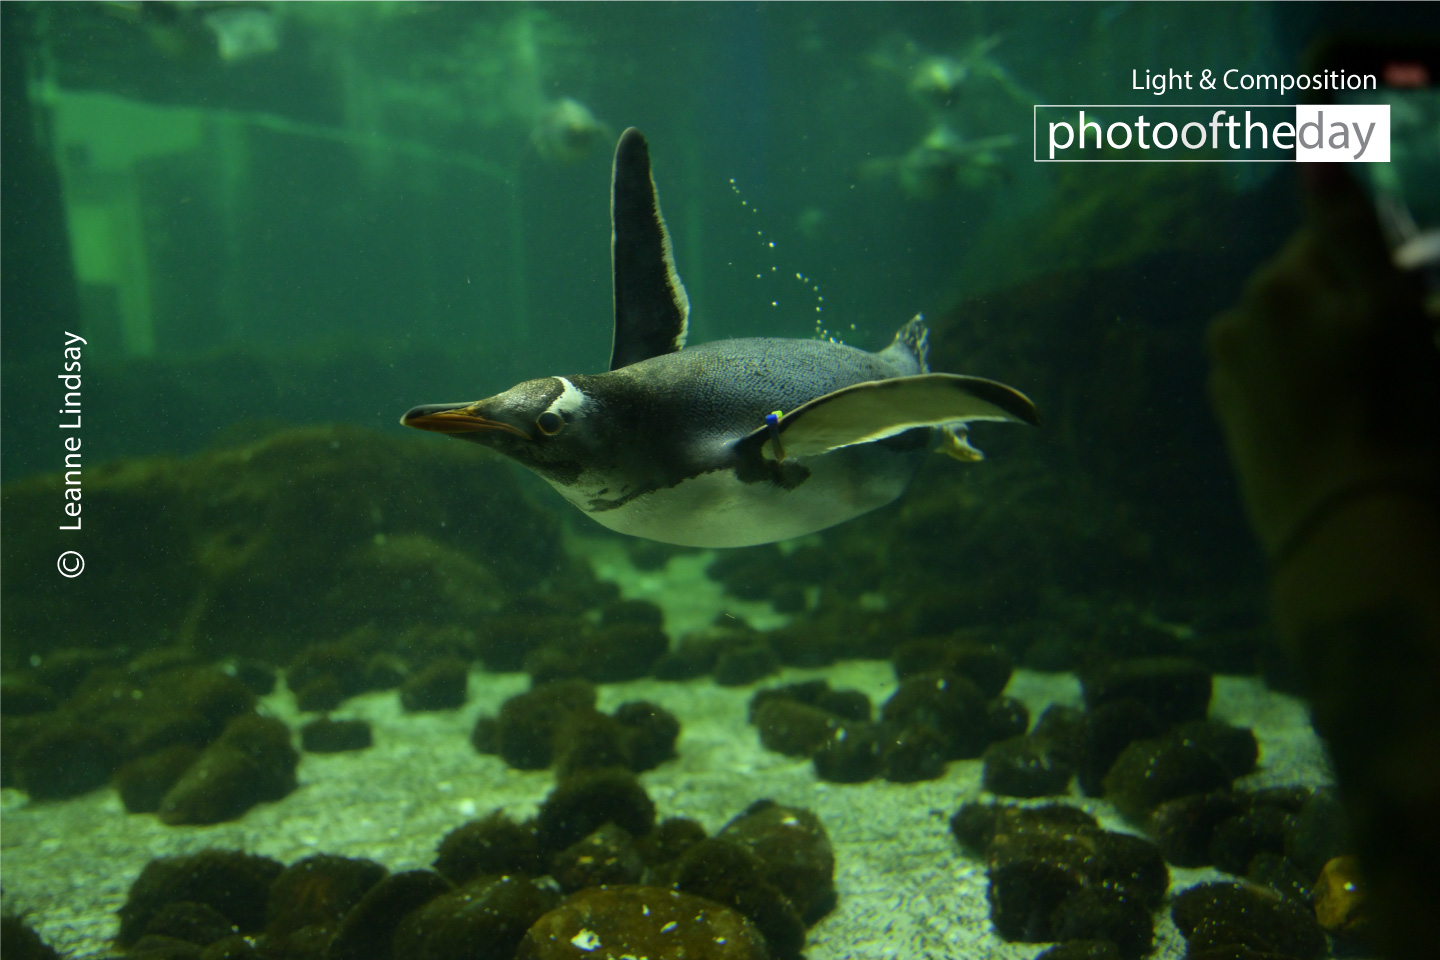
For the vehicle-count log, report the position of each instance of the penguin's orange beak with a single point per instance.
(454, 418)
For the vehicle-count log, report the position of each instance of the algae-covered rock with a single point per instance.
(482, 920)
(1082, 950)
(752, 573)
(956, 709)
(439, 686)
(142, 783)
(642, 922)
(642, 612)
(588, 740)
(750, 660)
(66, 758)
(234, 884)
(607, 856)
(1149, 772)
(1061, 727)
(1025, 767)
(509, 638)
(306, 533)
(234, 947)
(807, 692)
(1055, 875)
(528, 721)
(833, 726)
(1285, 878)
(853, 755)
(144, 714)
(976, 824)
(1105, 734)
(1237, 840)
(1183, 827)
(485, 735)
(670, 839)
(1231, 916)
(985, 666)
(318, 890)
(611, 653)
(794, 729)
(252, 762)
(912, 753)
(852, 705)
(1175, 689)
(335, 736)
(155, 946)
(368, 931)
(836, 631)
(794, 849)
(585, 801)
(727, 873)
(321, 695)
(1235, 747)
(491, 845)
(1319, 832)
(557, 723)
(1104, 914)
(648, 732)
(696, 653)
(323, 675)
(197, 923)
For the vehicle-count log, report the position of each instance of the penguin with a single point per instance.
(730, 443)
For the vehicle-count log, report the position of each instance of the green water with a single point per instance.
(369, 195)
(375, 205)
(265, 240)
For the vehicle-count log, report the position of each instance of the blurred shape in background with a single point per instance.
(941, 161)
(567, 132)
(230, 32)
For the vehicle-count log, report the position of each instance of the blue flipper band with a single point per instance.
(773, 420)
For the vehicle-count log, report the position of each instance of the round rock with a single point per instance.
(1025, 767)
(607, 923)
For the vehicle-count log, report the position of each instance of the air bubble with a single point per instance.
(820, 331)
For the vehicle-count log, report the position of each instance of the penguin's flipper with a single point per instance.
(876, 409)
(652, 312)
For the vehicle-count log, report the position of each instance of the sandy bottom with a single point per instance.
(905, 889)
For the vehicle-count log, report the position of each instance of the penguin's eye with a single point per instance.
(550, 423)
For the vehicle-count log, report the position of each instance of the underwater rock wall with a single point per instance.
(264, 548)
(1128, 479)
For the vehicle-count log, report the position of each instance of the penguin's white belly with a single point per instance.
(717, 510)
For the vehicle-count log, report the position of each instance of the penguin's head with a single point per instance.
(540, 424)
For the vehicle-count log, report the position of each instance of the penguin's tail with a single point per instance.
(914, 339)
